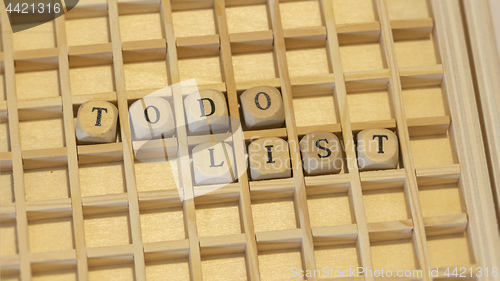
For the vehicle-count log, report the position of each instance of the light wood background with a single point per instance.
(94, 212)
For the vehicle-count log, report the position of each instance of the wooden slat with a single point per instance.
(300, 198)
(341, 95)
(411, 188)
(15, 145)
(73, 173)
(128, 155)
(185, 167)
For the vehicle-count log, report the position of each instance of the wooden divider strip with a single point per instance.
(238, 142)
(128, 155)
(341, 95)
(298, 176)
(69, 129)
(15, 145)
(404, 140)
(185, 166)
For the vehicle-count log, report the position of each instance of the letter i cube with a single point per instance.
(96, 122)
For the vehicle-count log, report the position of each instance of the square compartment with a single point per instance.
(141, 27)
(299, 14)
(439, 250)
(362, 57)
(42, 133)
(411, 53)
(4, 136)
(145, 75)
(408, 9)
(224, 267)
(87, 31)
(273, 214)
(440, 200)
(39, 37)
(125, 272)
(277, 264)
(394, 255)
(176, 270)
(6, 188)
(429, 151)
(154, 176)
(165, 224)
(92, 79)
(385, 205)
(247, 18)
(338, 257)
(370, 106)
(194, 22)
(46, 184)
(315, 110)
(254, 66)
(64, 274)
(329, 210)
(50, 235)
(425, 102)
(316, 58)
(218, 219)
(102, 179)
(37, 84)
(8, 243)
(354, 11)
(104, 230)
(206, 70)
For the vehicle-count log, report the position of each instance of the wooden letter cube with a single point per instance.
(321, 153)
(207, 112)
(377, 149)
(151, 118)
(262, 108)
(213, 163)
(96, 122)
(269, 159)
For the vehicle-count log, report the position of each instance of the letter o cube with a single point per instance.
(151, 118)
(377, 149)
(96, 122)
(262, 108)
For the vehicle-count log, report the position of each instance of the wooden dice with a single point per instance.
(321, 153)
(269, 158)
(206, 112)
(96, 122)
(151, 118)
(262, 108)
(213, 163)
(377, 149)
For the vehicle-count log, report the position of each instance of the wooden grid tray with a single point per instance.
(94, 212)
